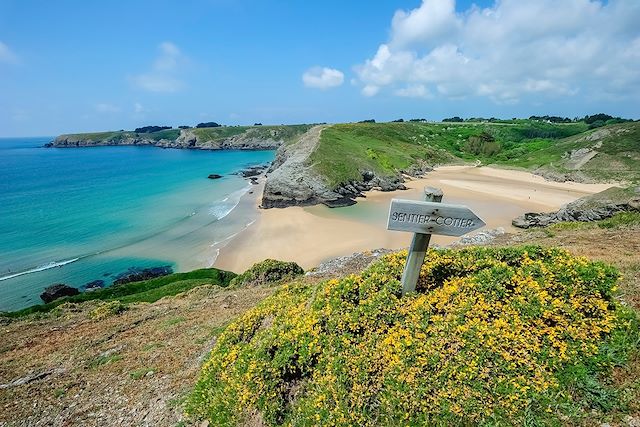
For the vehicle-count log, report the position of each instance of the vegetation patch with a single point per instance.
(107, 309)
(506, 336)
(141, 372)
(279, 133)
(144, 291)
(621, 219)
(269, 271)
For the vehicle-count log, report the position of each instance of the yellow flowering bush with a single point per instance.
(492, 336)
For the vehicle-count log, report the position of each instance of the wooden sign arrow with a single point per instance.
(432, 218)
(425, 219)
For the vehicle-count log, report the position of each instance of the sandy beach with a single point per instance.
(313, 234)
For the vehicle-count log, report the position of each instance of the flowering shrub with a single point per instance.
(491, 336)
(268, 271)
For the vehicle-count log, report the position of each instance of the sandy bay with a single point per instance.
(309, 235)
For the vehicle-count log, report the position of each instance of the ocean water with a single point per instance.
(76, 215)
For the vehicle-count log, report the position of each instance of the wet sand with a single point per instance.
(311, 235)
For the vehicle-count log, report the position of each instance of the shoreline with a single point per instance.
(311, 235)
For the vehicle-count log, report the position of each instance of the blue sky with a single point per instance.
(69, 66)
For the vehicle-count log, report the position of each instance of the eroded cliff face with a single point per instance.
(187, 139)
(244, 141)
(292, 180)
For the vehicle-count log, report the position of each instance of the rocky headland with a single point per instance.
(220, 138)
(591, 208)
(292, 180)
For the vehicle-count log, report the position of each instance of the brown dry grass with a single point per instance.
(128, 369)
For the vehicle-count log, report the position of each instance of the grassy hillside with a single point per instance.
(345, 150)
(283, 132)
(618, 157)
(144, 291)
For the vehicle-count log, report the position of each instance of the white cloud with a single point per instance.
(512, 50)
(370, 90)
(107, 108)
(138, 108)
(414, 91)
(164, 73)
(6, 55)
(322, 78)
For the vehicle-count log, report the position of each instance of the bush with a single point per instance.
(208, 125)
(268, 271)
(107, 309)
(483, 144)
(151, 129)
(493, 336)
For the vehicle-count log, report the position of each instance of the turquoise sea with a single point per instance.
(74, 215)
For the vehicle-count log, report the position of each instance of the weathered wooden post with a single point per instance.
(418, 248)
(424, 219)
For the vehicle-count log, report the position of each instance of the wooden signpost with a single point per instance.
(424, 219)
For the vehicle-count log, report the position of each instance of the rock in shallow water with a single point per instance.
(56, 291)
(93, 285)
(136, 275)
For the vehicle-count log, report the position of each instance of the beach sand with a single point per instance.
(311, 235)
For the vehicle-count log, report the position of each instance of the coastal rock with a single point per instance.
(479, 238)
(56, 291)
(136, 275)
(291, 182)
(214, 176)
(253, 171)
(586, 209)
(418, 170)
(250, 139)
(342, 266)
(93, 285)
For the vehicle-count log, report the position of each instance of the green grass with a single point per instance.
(111, 136)
(218, 133)
(285, 132)
(618, 158)
(619, 220)
(170, 134)
(345, 150)
(140, 373)
(104, 360)
(143, 291)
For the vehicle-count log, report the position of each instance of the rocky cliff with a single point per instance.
(222, 138)
(595, 207)
(292, 179)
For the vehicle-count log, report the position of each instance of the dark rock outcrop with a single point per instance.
(93, 285)
(56, 291)
(587, 209)
(214, 176)
(253, 171)
(136, 274)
